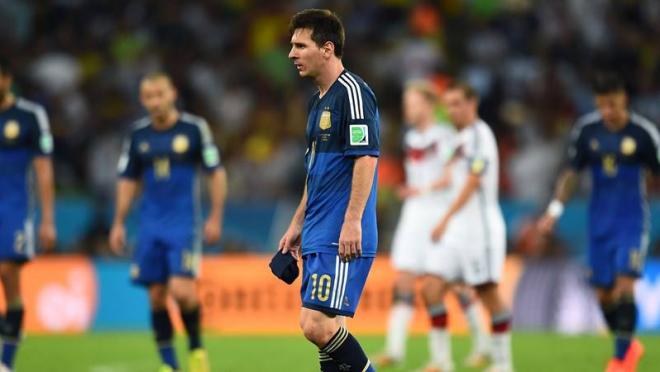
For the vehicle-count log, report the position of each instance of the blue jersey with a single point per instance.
(617, 161)
(25, 134)
(168, 162)
(341, 125)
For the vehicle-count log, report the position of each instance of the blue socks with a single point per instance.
(626, 319)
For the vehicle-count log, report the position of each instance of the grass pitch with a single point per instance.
(135, 352)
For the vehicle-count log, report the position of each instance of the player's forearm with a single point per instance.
(566, 185)
(299, 215)
(471, 185)
(217, 185)
(126, 190)
(46, 186)
(363, 177)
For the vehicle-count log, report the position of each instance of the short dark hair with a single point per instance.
(325, 26)
(5, 68)
(468, 91)
(607, 83)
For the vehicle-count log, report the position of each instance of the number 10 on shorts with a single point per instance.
(323, 284)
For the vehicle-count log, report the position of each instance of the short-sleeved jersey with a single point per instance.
(617, 161)
(24, 134)
(341, 125)
(476, 153)
(168, 164)
(426, 153)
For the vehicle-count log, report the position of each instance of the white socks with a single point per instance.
(440, 348)
(480, 339)
(397, 330)
(501, 350)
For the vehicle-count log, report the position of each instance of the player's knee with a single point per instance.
(624, 287)
(186, 299)
(316, 330)
(158, 297)
(405, 283)
(433, 288)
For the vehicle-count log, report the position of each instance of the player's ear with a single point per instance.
(328, 49)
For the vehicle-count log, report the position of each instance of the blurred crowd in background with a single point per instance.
(530, 60)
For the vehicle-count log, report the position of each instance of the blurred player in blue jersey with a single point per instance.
(618, 146)
(25, 149)
(164, 155)
(335, 223)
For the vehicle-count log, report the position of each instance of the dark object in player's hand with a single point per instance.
(284, 266)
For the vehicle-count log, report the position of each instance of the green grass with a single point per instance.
(135, 352)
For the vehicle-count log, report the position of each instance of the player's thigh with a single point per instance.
(183, 251)
(602, 262)
(149, 263)
(16, 238)
(10, 275)
(483, 254)
(332, 286)
(318, 326)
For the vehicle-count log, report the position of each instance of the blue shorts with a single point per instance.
(16, 238)
(162, 254)
(622, 253)
(332, 286)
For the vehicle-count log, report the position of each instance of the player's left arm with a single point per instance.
(350, 238)
(42, 145)
(217, 185)
(362, 143)
(43, 167)
(216, 181)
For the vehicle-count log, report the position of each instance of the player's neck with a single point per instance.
(327, 77)
(468, 123)
(619, 124)
(167, 121)
(424, 125)
(7, 101)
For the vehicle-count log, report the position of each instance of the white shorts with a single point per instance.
(472, 253)
(412, 238)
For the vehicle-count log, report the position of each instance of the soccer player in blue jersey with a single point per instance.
(163, 155)
(619, 147)
(25, 149)
(333, 230)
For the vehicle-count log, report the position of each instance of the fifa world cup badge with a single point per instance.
(11, 129)
(180, 144)
(326, 121)
(628, 146)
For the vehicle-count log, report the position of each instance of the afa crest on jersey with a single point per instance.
(143, 147)
(180, 144)
(12, 129)
(325, 122)
(628, 146)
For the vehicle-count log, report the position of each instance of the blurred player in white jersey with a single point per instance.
(470, 234)
(427, 146)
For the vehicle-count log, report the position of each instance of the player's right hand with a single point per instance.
(117, 239)
(546, 224)
(291, 241)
